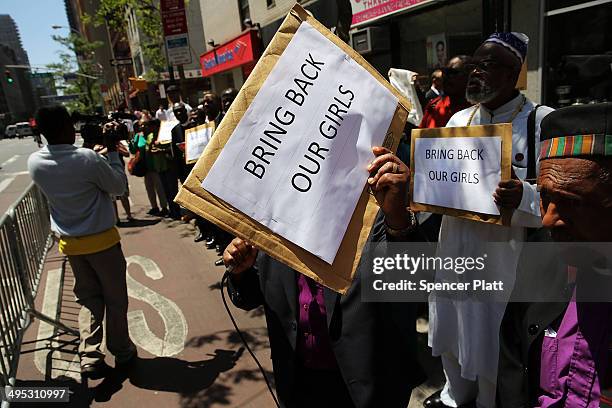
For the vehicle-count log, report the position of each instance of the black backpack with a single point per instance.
(533, 234)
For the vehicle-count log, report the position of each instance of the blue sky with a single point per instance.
(34, 19)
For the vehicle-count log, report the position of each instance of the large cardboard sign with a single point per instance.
(295, 162)
(196, 140)
(270, 140)
(455, 171)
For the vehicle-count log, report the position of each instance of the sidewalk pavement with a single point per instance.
(189, 354)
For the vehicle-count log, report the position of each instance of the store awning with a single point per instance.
(237, 52)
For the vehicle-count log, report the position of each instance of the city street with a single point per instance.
(14, 177)
(401, 175)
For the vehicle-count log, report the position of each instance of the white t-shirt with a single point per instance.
(168, 114)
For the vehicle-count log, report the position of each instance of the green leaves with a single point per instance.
(78, 57)
(148, 16)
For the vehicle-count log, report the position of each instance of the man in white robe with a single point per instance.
(464, 332)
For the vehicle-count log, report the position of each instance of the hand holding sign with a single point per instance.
(239, 256)
(388, 181)
(509, 193)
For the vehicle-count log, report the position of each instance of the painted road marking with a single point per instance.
(19, 173)
(172, 316)
(9, 161)
(175, 324)
(59, 366)
(5, 183)
(11, 177)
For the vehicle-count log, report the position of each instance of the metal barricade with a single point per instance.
(25, 239)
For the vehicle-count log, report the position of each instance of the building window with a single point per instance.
(577, 62)
(270, 3)
(245, 12)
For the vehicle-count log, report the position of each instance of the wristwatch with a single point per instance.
(403, 232)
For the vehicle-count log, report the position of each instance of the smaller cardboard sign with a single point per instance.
(196, 140)
(165, 131)
(455, 171)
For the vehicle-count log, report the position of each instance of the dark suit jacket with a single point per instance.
(429, 95)
(523, 326)
(374, 343)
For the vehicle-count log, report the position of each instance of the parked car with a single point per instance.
(11, 131)
(23, 129)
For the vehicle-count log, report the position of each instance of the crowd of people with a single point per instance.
(333, 350)
(162, 166)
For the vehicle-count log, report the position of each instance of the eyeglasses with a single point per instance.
(485, 66)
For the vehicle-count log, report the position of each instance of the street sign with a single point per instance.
(171, 5)
(178, 49)
(116, 62)
(174, 22)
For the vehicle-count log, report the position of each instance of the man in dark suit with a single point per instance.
(178, 140)
(555, 335)
(330, 350)
(436, 88)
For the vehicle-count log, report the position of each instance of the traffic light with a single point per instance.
(9, 77)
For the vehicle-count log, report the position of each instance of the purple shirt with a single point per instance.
(313, 343)
(574, 358)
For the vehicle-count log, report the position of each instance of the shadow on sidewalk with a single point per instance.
(193, 381)
(138, 223)
(184, 377)
(220, 393)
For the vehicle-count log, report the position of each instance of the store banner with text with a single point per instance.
(365, 11)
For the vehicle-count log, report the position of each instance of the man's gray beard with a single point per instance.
(486, 93)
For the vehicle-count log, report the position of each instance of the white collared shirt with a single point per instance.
(468, 329)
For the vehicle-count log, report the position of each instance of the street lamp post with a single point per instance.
(214, 46)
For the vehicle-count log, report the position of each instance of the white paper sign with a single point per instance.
(196, 140)
(458, 172)
(297, 160)
(165, 130)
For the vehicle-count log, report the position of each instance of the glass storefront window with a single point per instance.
(578, 57)
(458, 24)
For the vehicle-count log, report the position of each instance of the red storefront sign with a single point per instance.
(367, 10)
(240, 51)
